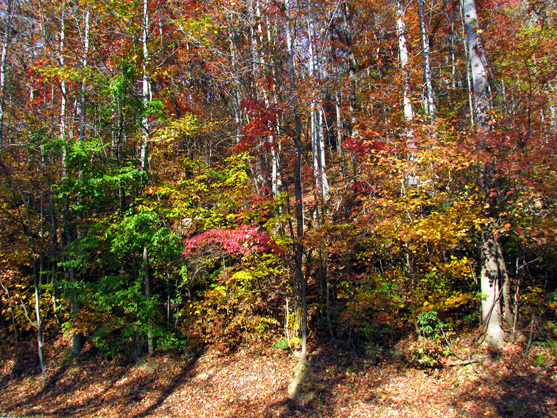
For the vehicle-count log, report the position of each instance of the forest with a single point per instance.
(181, 176)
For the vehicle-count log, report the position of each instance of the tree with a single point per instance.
(127, 127)
(297, 243)
(493, 268)
(6, 37)
(431, 109)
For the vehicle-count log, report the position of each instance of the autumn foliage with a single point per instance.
(153, 154)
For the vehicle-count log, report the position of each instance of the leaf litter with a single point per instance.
(253, 382)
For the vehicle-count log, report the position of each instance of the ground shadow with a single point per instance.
(24, 356)
(328, 367)
(184, 373)
(516, 392)
(65, 390)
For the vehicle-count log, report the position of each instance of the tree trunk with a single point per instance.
(53, 231)
(491, 291)
(403, 54)
(146, 95)
(478, 70)
(37, 287)
(76, 338)
(298, 247)
(236, 101)
(316, 116)
(3, 58)
(150, 343)
(340, 133)
(40, 337)
(146, 90)
(85, 62)
(505, 279)
(430, 94)
(492, 256)
(63, 87)
(352, 64)
(411, 178)
(468, 71)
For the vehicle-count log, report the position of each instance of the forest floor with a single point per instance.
(253, 382)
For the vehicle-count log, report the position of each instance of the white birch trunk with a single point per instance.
(428, 77)
(236, 88)
(492, 255)
(298, 247)
(317, 138)
(64, 95)
(84, 63)
(146, 95)
(403, 53)
(146, 89)
(257, 39)
(468, 72)
(325, 189)
(3, 59)
(76, 340)
(452, 52)
(352, 63)
(478, 70)
(275, 147)
(411, 178)
(340, 129)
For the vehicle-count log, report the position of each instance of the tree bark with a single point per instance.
(403, 54)
(468, 70)
(478, 70)
(150, 342)
(492, 256)
(37, 288)
(490, 287)
(298, 247)
(411, 178)
(317, 138)
(76, 338)
(352, 64)
(146, 95)
(431, 109)
(146, 89)
(40, 336)
(3, 59)
(506, 283)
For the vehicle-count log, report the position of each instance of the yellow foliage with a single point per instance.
(176, 128)
(444, 304)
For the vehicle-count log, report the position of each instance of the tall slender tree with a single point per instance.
(430, 106)
(6, 36)
(493, 262)
(298, 246)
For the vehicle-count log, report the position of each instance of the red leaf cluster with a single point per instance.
(241, 241)
(262, 122)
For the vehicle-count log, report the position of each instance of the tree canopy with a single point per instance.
(181, 173)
